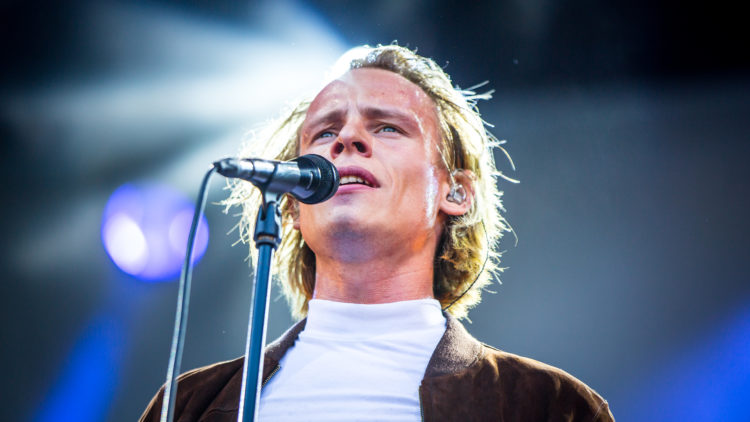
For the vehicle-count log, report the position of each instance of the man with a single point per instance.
(384, 268)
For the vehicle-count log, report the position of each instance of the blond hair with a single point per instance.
(465, 260)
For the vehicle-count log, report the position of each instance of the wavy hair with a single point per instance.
(465, 259)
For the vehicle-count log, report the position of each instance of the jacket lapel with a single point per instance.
(456, 350)
(276, 350)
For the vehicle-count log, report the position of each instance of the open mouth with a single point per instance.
(353, 180)
(353, 175)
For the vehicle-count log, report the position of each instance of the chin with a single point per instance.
(347, 225)
(341, 234)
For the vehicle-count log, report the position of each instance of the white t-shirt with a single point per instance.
(355, 362)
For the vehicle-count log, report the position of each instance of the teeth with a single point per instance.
(346, 180)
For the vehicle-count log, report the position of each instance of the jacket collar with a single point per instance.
(278, 348)
(456, 351)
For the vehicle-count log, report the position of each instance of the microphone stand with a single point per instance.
(267, 237)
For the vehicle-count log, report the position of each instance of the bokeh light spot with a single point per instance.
(125, 243)
(179, 230)
(145, 231)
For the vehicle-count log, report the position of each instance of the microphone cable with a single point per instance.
(181, 315)
(481, 270)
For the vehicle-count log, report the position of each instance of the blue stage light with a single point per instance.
(87, 383)
(145, 230)
(708, 381)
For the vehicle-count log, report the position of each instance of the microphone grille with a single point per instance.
(327, 185)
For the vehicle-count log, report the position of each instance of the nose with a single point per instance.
(354, 139)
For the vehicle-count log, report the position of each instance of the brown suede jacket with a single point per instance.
(465, 380)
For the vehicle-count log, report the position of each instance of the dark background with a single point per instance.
(627, 122)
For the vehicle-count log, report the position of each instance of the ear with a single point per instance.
(458, 199)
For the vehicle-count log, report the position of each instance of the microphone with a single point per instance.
(309, 178)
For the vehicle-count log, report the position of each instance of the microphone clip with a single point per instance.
(268, 225)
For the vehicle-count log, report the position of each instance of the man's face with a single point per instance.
(381, 132)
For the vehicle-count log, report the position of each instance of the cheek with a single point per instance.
(303, 219)
(320, 148)
(431, 193)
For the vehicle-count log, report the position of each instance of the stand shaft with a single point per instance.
(266, 239)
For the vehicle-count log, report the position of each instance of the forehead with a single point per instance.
(374, 87)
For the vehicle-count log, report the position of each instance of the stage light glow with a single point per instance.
(709, 381)
(88, 380)
(145, 231)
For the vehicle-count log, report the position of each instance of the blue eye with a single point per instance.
(388, 129)
(326, 134)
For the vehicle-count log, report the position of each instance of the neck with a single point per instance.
(392, 277)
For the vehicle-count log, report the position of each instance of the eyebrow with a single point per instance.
(380, 113)
(333, 115)
(404, 118)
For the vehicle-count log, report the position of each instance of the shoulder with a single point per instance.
(215, 374)
(197, 389)
(535, 383)
(216, 388)
(469, 380)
